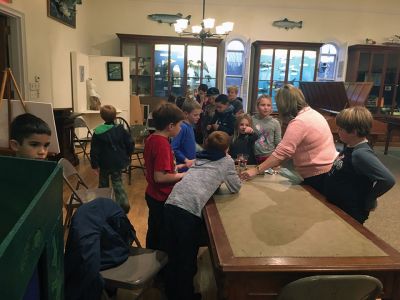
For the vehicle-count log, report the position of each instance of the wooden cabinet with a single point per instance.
(277, 63)
(160, 65)
(379, 64)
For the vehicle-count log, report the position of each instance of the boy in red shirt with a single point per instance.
(161, 174)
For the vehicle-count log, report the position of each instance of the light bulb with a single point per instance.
(183, 23)
(208, 23)
(178, 29)
(220, 29)
(196, 29)
(228, 26)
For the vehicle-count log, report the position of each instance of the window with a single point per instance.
(278, 63)
(327, 62)
(234, 64)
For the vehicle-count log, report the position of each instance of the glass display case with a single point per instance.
(379, 64)
(277, 63)
(162, 65)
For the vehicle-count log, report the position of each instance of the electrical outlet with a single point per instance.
(34, 86)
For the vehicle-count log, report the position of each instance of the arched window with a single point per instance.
(327, 62)
(235, 65)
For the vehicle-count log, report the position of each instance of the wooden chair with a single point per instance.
(80, 192)
(333, 287)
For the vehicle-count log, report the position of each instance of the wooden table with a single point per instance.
(275, 231)
(392, 123)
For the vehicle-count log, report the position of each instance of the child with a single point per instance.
(110, 153)
(161, 172)
(357, 177)
(184, 144)
(208, 110)
(234, 100)
(244, 138)
(223, 119)
(30, 136)
(269, 128)
(182, 212)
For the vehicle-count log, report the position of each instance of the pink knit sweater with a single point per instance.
(308, 141)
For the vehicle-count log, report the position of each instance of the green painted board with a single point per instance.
(31, 232)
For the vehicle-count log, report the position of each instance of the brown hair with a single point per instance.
(217, 140)
(237, 124)
(263, 96)
(108, 113)
(289, 100)
(356, 118)
(165, 114)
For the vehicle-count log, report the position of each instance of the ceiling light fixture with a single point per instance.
(203, 31)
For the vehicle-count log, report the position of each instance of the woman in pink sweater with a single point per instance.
(308, 140)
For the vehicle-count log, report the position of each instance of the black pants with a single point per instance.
(154, 222)
(180, 239)
(316, 182)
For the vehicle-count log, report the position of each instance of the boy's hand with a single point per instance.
(215, 126)
(208, 127)
(181, 166)
(249, 130)
(189, 162)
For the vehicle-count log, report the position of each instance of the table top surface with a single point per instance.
(274, 221)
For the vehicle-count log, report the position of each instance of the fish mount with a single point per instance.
(167, 18)
(287, 24)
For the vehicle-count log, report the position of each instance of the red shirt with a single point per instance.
(158, 156)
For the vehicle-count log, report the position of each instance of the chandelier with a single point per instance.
(203, 30)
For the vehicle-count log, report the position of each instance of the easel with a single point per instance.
(9, 78)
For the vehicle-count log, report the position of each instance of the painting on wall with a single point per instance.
(114, 71)
(63, 11)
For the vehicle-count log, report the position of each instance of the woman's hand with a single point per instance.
(248, 174)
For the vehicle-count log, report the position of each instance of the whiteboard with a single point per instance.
(40, 109)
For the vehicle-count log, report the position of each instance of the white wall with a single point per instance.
(79, 88)
(115, 93)
(49, 42)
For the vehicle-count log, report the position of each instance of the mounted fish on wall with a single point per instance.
(287, 24)
(166, 18)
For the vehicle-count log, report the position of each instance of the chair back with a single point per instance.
(69, 171)
(79, 122)
(332, 287)
(123, 122)
(139, 132)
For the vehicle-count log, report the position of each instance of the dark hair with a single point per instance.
(203, 87)
(179, 101)
(213, 91)
(217, 140)
(356, 118)
(165, 114)
(222, 99)
(171, 98)
(23, 126)
(108, 113)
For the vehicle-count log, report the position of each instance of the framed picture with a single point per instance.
(114, 71)
(81, 73)
(63, 11)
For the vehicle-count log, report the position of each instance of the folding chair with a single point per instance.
(80, 123)
(333, 287)
(80, 192)
(137, 272)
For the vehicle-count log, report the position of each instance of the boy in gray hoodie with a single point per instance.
(182, 213)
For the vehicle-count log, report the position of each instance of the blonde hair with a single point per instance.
(289, 100)
(237, 124)
(233, 88)
(356, 118)
(190, 105)
(108, 113)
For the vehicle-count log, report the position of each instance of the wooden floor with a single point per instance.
(204, 281)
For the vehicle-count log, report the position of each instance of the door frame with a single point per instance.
(17, 48)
